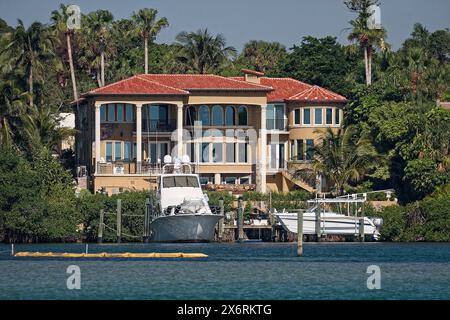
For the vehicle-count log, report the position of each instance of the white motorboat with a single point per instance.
(182, 213)
(317, 219)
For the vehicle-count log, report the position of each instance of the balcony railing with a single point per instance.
(159, 125)
(129, 167)
(276, 124)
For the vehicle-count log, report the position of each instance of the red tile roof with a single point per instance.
(317, 94)
(277, 89)
(137, 85)
(178, 84)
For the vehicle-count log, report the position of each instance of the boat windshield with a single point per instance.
(180, 182)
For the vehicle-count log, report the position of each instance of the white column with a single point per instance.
(97, 137)
(263, 149)
(138, 137)
(180, 130)
(217, 178)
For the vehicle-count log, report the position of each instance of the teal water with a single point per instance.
(233, 271)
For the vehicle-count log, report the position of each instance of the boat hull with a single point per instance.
(331, 223)
(184, 228)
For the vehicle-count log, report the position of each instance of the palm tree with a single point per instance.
(97, 37)
(342, 157)
(202, 52)
(263, 56)
(59, 19)
(42, 130)
(29, 49)
(365, 36)
(12, 106)
(148, 27)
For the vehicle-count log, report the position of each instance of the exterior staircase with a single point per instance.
(299, 182)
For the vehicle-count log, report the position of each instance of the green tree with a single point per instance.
(343, 157)
(29, 49)
(148, 28)
(365, 36)
(202, 52)
(263, 56)
(323, 62)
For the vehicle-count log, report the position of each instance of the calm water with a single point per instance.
(234, 271)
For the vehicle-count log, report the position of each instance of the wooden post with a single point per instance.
(299, 233)
(119, 220)
(87, 248)
(12, 249)
(147, 221)
(222, 212)
(101, 226)
(318, 223)
(240, 222)
(361, 229)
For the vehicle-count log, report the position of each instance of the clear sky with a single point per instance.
(286, 21)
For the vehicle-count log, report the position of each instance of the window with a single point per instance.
(204, 115)
(230, 152)
(190, 150)
(127, 151)
(307, 116)
(242, 152)
(102, 112)
(119, 112)
(244, 180)
(190, 116)
(204, 180)
(318, 116)
(217, 152)
(217, 116)
(109, 151)
(242, 116)
(205, 152)
(229, 116)
(300, 150)
(275, 117)
(309, 149)
(297, 116)
(230, 180)
(129, 112)
(329, 116)
(117, 151)
(180, 182)
(337, 114)
(111, 112)
(292, 152)
(134, 151)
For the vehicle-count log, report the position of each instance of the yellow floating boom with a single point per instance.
(111, 255)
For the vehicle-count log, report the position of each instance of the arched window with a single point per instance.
(217, 116)
(242, 116)
(191, 117)
(229, 116)
(203, 114)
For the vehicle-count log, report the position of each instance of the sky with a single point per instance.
(285, 21)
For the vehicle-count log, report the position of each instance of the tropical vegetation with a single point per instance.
(394, 135)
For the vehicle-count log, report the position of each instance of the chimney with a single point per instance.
(252, 75)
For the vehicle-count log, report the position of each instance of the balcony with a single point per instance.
(276, 124)
(159, 125)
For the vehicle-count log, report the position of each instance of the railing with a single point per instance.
(159, 125)
(129, 167)
(276, 124)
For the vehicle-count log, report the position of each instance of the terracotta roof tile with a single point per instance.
(317, 94)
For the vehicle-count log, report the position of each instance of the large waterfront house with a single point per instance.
(244, 132)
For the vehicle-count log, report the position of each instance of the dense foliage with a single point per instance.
(392, 110)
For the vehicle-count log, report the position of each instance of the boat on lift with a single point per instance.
(320, 217)
(182, 212)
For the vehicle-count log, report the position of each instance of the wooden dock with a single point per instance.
(111, 255)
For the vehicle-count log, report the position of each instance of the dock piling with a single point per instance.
(240, 221)
(300, 234)
(12, 249)
(221, 221)
(361, 229)
(147, 221)
(101, 226)
(119, 220)
(318, 223)
(87, 248)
